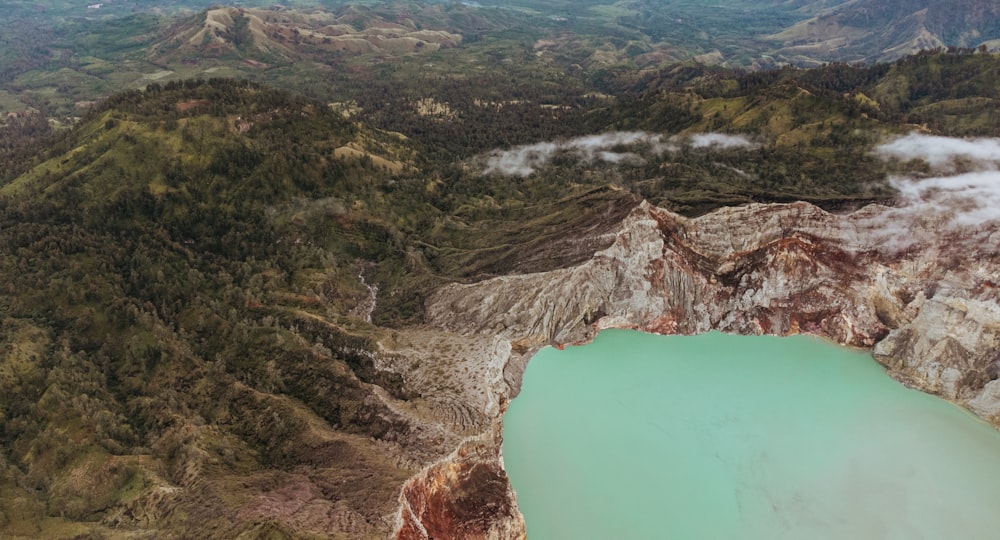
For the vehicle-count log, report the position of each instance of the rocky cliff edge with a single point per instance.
(916, 288)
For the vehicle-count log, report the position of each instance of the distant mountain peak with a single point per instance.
(266, 36)
(874, 30)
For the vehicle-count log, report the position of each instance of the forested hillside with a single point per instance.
(195, 275)
(168, 316)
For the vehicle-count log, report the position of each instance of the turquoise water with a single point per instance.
(737, 437)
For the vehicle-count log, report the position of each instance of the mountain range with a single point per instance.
(61, 56)
(868, 30)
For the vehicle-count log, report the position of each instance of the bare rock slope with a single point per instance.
(919, 292)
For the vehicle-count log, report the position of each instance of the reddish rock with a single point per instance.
(467, 497)
(908, 285)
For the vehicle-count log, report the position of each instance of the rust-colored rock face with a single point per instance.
(468, 496)
(919, 292)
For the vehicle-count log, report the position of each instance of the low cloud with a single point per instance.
(618, 147)
(966, 200)
(963, 188)
(942, 152)
(526, 159)
(958, 195)
(720, 141)
(520, 160)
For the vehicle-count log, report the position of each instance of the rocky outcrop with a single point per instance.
(918, 291)
(466, 496)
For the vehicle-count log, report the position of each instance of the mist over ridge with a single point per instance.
(964, 179)
(606, 147)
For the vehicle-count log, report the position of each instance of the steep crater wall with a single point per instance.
(921, 294)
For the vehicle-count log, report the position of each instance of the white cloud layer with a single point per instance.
(942, 151)
(607, 147)
(720, 141)
(966, 198)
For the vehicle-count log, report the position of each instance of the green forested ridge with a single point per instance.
(180, 269)
(159, 312)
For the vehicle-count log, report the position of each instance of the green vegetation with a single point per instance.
(180, 275)
(181, 315)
